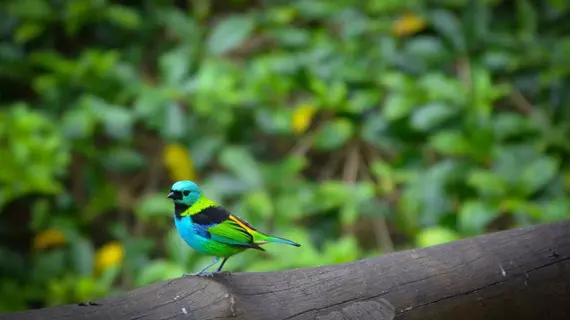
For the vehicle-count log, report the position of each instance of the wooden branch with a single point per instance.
(515, 274)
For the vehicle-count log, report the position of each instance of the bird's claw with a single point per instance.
(199, 274)
(205, 274)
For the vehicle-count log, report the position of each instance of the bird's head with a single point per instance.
(185, 192)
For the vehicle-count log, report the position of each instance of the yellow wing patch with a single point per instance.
(241, 223)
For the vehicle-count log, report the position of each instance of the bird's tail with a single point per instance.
(263, 238)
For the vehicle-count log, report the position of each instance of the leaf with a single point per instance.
(204, 152)
(154, 206)
(397, 106)
(301, 118)
(30, 9)
(450, 142)
(487, 183)
(78, 123)
(536, 175)
(435, 235)
(28, 31)
(449, 26)
(242, 164)
(177, 249)
(175, 125)
(83, 256)
(175, 65)
(230, 33)
(408, 24)
(331, 194)
(343, 250)
(178, 161)
(474, 217)
(179, 23)
(431, 115)
(527, 18)
(117, 120)
(158, 270)
(555, 210)
(123, 16)
(333, 134)
(122, 159)
(426, 47)
(259, 203)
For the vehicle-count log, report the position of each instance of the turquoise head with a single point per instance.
(185, 192)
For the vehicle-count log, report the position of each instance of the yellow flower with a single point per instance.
(49, 238)
(302, 116)
(109, 255)
(408, 24)
(177, 160)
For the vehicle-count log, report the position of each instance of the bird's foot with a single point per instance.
(205, 274)
(88, 303)
(199, 274)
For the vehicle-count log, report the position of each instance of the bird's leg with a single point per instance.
(222, 264)
(201, 272)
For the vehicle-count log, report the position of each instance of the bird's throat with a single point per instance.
(179, 209)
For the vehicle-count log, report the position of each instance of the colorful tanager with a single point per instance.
(212, 230)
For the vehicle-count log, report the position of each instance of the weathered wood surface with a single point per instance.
(515, 274)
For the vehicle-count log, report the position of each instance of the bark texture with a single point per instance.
(515, 274)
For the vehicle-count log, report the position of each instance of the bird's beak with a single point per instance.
(171, 195)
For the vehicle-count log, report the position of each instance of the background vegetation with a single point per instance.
(353, 127)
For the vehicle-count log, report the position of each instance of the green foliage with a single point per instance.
(326, 122)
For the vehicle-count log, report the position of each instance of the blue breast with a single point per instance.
(194, 235)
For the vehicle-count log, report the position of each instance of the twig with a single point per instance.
(329, 167)
(351, 166)
(520, 102)
(303, 145)
(381, 231)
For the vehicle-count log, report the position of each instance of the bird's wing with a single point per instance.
(222, 226)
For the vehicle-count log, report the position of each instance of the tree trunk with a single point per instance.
(515, 274)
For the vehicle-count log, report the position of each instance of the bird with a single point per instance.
(212, 230)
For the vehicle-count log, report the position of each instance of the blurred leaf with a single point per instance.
(175, 126)
(333, 134)
(487, 183)
(408, 24)
(122, 159)
(396, 107)
(123, 16)
(30, 9)
(259, 203)
(49, 238)
(179, 163)
(538, 174)
(242, 164)
(555, 210)
(302, 116)
(28, 31)
(175, 65)
(343, 250)
(527, 19)
(230, 33)
(83, 254)
(431, 115)
(158, 270)
(154, 206)
(449, 26)
(177, 249)
(474, 217)
(109, 255)
(450, 142)
(435, 235)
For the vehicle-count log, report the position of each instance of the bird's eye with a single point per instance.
(186, 193)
